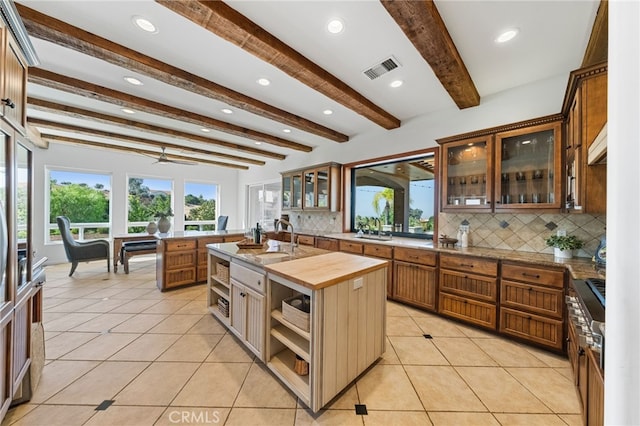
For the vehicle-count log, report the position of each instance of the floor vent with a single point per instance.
(104, 405)
(361, 409)
(427, 336)
(383, 67)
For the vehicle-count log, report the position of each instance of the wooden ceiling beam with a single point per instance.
(84, 114)
(424, 27)
(66, 139)
(227, 23)
(118, 136)
(55, 31)
(100, 93)
(598, 47)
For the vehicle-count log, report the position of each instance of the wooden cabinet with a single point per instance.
(313, 188)
(594, 410)
(13, 84)
(247, 306)
(585, 111)
(351, 247)
(306, 240)
(468, 289)
(513, 167)
(532, 303)
(415, 277)
(327, 243)
(382, 251)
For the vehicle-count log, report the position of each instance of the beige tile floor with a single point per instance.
(164, 360)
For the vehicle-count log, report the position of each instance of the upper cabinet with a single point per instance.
(508, 168)
(585, 110)
(312, 188)
(13, 84)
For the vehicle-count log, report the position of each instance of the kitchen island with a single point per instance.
(315, 318)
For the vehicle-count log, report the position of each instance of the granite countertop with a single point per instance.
(579, 267)
(271, 252)
(194, 234)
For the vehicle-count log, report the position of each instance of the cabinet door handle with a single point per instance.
(467, 265)
(243, 294)
(8, 102)
(524, 274)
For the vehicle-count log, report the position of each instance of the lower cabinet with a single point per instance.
(247, 310)
(327, 243)
(385, 252)
(415, 277)
(468, 289)
(5, 365)
(594, 410)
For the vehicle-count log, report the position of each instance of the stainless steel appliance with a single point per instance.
(587, 313)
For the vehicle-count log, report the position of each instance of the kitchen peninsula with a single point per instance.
(260, 294)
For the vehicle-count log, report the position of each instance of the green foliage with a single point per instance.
(192, 200)
(568, 242)
(205, 211)
(387, 195)
(79, 203)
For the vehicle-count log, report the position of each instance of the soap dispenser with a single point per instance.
(465, 239)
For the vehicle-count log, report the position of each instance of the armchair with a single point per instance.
(81, 251)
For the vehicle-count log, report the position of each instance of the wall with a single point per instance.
(120, 166)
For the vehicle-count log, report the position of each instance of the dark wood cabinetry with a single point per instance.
(312, 188)
(327, 243)
(13, 87)
(594, 410)
(415, 277)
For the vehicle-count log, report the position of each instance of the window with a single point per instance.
(395, 195)
(200, 206)
(85, 198)
(263, 204)
(148, 199)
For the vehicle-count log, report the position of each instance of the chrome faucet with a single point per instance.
(286, 223)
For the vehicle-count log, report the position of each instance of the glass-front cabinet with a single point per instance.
(312, 188)
(527, 170)
(467, 174)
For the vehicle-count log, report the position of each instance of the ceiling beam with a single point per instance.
(66, 139)
(598, 48)
(227, 23)
(100, 93)
(33, 135)
(120, 137)
(55, 31)
(84, 114)
(424, 27)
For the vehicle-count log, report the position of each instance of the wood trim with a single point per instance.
(117, 136)
(598, 49)
(155, 154)
(58, 32)
(424, 27)
(224, 21)
(574, 81)
(75, 112)
(504, 128)
(104, 94)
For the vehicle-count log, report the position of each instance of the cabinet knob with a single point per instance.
(8, 102)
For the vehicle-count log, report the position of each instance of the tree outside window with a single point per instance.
(149, 199)
(200, 206)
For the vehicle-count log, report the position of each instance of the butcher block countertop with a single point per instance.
(325, 270)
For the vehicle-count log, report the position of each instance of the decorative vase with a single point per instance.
(164, 224)
(562, 254)
(152, 228)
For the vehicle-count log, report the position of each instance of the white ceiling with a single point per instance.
(552, 40)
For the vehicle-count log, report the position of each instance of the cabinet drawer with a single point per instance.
(178, 277)
(478, 313)
(177, 260)
(306, 240)
(476, 286)
(532, 298)
(533, 274)
(469, 264)
(248, 277)
(327, 244)
(351, 247)
(178, 245)
(424, 257)
(534, 328)
(233, 238)
(203, 241)
(378, 250)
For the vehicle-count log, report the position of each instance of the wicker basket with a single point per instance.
(222, 272)
(223, 307)
(294, 315)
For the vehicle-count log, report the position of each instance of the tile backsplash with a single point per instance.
(525, 231)
(320, 222)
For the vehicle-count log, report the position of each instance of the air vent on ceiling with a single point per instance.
(383, 67)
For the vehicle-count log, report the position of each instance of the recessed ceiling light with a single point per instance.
(133, 80)
(286, 130)
(396, 83)
(263, 82)
(128, 111)
(226, 111)
(327, 112)
(258, 143)
(204, 129)
(507, 35)
(144, 24)
(335, 26)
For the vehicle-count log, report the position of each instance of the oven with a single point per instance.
(586, 309)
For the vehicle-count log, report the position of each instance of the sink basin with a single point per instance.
(272, 255)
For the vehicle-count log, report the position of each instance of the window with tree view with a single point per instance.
(200, 206)
(395, 196)
(84, 198)
(149, 200)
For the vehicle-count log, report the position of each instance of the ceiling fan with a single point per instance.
(163, 159)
